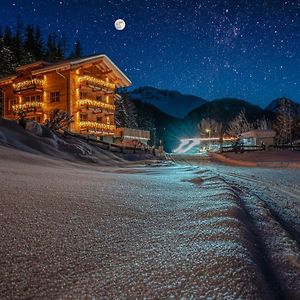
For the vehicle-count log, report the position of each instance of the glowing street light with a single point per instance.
(208, 131)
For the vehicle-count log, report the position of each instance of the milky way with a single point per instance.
(246, 49)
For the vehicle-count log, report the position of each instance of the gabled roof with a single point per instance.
(78, 62)
(34, 65)
(7, 79)
(40, 67)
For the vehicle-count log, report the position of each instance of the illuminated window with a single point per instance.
(107, 120)
(54, 97)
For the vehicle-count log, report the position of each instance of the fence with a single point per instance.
(108, 146)
(248, 148)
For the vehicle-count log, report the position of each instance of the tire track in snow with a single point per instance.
(278, 242)
(287, 226)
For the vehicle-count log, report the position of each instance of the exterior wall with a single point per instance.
(89, 99)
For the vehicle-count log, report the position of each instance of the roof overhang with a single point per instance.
(74, 64)
(7, 80)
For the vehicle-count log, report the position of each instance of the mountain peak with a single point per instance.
(168, 101)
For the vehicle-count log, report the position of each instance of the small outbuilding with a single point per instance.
(257, 137)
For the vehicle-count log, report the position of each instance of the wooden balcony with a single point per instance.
(29, 107)
(97, 84)
(28, 85)
(96, 105)
(97, 128)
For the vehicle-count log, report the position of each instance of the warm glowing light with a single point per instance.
(97, 81)
(33, 104)
(27, 83)
(95, 103)
(96, 125)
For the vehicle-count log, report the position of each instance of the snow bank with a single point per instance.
(269, 159)
(37, 139)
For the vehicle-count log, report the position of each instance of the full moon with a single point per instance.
(120, 24)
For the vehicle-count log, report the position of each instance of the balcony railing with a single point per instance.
(96, 104)
(28, 106)
(97, 126)
(28, 84)
(96, 82)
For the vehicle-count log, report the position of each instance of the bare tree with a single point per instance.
(283, 126)
(263, 124)
(284, 122)
(58, 120)
(239, 125)
(210, 125)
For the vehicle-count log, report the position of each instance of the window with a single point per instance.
(107, 120)
(54, 97)
(99, 119)
(83, 117)
(33, 98)
(99, 98)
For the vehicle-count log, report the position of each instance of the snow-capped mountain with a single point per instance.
(170, 102)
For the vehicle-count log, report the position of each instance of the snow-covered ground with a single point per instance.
(77, 231)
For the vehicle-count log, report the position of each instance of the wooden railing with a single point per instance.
(106, 145)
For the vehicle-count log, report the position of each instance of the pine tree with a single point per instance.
(77, 52)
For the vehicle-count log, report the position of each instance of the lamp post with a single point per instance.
(208, 131)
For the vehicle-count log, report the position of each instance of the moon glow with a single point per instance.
(120, 24)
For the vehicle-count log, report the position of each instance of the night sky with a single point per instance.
(247, 49)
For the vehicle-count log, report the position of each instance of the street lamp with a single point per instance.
(208, 131)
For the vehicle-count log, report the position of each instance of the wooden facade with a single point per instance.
(85, 88)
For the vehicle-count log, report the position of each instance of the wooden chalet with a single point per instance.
(83, 87)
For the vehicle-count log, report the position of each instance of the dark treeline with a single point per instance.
(26, 44)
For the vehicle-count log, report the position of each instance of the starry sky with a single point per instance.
(246, 49)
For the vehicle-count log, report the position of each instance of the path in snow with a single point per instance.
(202, 232)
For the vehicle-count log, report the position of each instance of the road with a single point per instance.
(202, 232)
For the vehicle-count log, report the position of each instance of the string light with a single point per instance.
(96, 125)
(95, 103)
(26, 83)
(97, 81)
(24, 106)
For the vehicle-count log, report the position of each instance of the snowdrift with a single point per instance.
(39, 140)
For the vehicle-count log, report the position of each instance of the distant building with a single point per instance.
(83, 87)
(257, 137)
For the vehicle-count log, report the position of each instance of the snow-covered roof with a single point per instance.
(257, 133)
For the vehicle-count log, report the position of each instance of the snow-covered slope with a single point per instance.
(170, 102)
